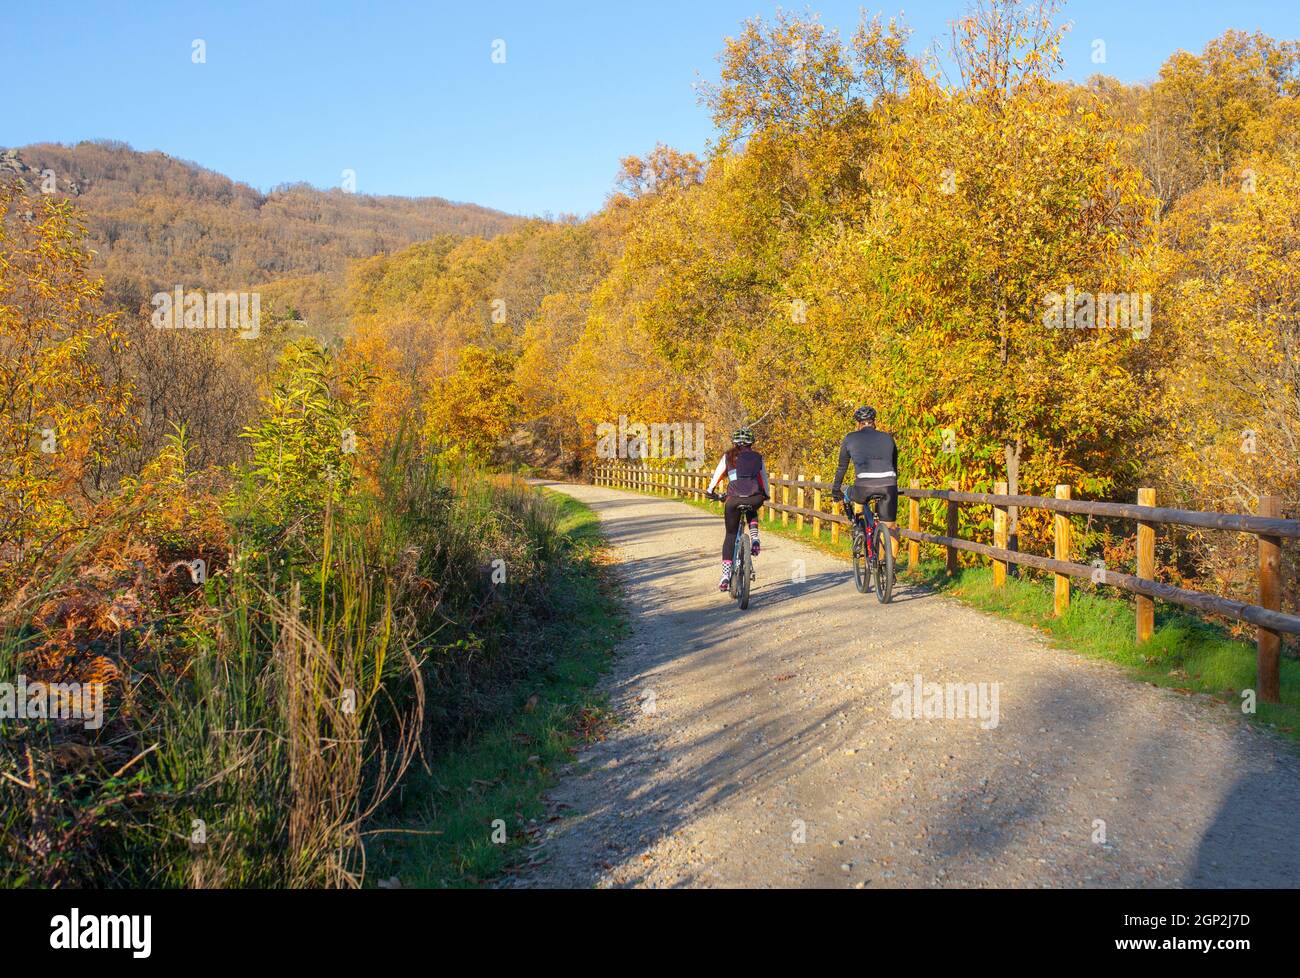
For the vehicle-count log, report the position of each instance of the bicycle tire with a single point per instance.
(861, 571)
(746, 572)
(884, 565)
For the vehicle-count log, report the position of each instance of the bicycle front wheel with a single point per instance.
(746, 572)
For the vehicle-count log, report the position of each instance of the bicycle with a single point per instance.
(873, 554)
(742, 558)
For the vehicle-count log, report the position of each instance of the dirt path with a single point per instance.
(758, 748)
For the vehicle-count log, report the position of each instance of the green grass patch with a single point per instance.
(490, 787)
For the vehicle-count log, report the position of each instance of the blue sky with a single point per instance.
(407, 94)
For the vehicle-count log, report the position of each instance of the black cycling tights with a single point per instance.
(731, 515)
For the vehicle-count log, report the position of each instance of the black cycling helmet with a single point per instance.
(864, 413)
(742, 436)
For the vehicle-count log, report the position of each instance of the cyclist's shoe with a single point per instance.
(725, 583)
(753, 533)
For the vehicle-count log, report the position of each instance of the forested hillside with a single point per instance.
(155, 221)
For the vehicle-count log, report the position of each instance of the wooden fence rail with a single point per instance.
(1267, 525)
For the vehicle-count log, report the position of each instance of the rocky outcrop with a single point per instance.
(12, 165)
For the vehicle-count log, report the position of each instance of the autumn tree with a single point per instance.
(62, 417)
(475, 406)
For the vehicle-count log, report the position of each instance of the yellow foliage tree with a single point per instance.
(61, 418)
(472, 409)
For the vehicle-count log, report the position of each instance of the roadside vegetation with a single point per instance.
(472, 813)
(280, 642)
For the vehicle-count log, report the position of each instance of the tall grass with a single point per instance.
(281, 702)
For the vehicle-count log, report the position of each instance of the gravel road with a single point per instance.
(764, 748)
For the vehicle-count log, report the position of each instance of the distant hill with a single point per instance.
(156, 221)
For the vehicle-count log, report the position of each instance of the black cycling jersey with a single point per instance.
(874, 455)
(746, 474)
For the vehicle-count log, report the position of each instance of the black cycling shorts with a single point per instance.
(886, 499)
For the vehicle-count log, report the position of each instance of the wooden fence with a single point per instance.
(811, 497)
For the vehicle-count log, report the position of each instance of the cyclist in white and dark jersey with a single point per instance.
(747, 485)
(874, 455)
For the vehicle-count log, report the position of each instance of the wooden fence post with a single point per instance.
(1000, 535)
(785, 500)
(817, 508)
(1146, 568)
(835, 526)
(799, 502)
(1268, 648)
(952, 528)
(914, 524)
(1062, 553)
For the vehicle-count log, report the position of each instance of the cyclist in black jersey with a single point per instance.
(874, 455)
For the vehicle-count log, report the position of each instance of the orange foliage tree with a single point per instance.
(61, 418)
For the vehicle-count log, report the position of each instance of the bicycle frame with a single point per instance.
(866, 519)
(746, 515)
(871, 567)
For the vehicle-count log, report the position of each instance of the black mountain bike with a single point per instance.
(742, 560)
(873, 556)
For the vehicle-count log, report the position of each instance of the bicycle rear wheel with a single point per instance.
(884, 564)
